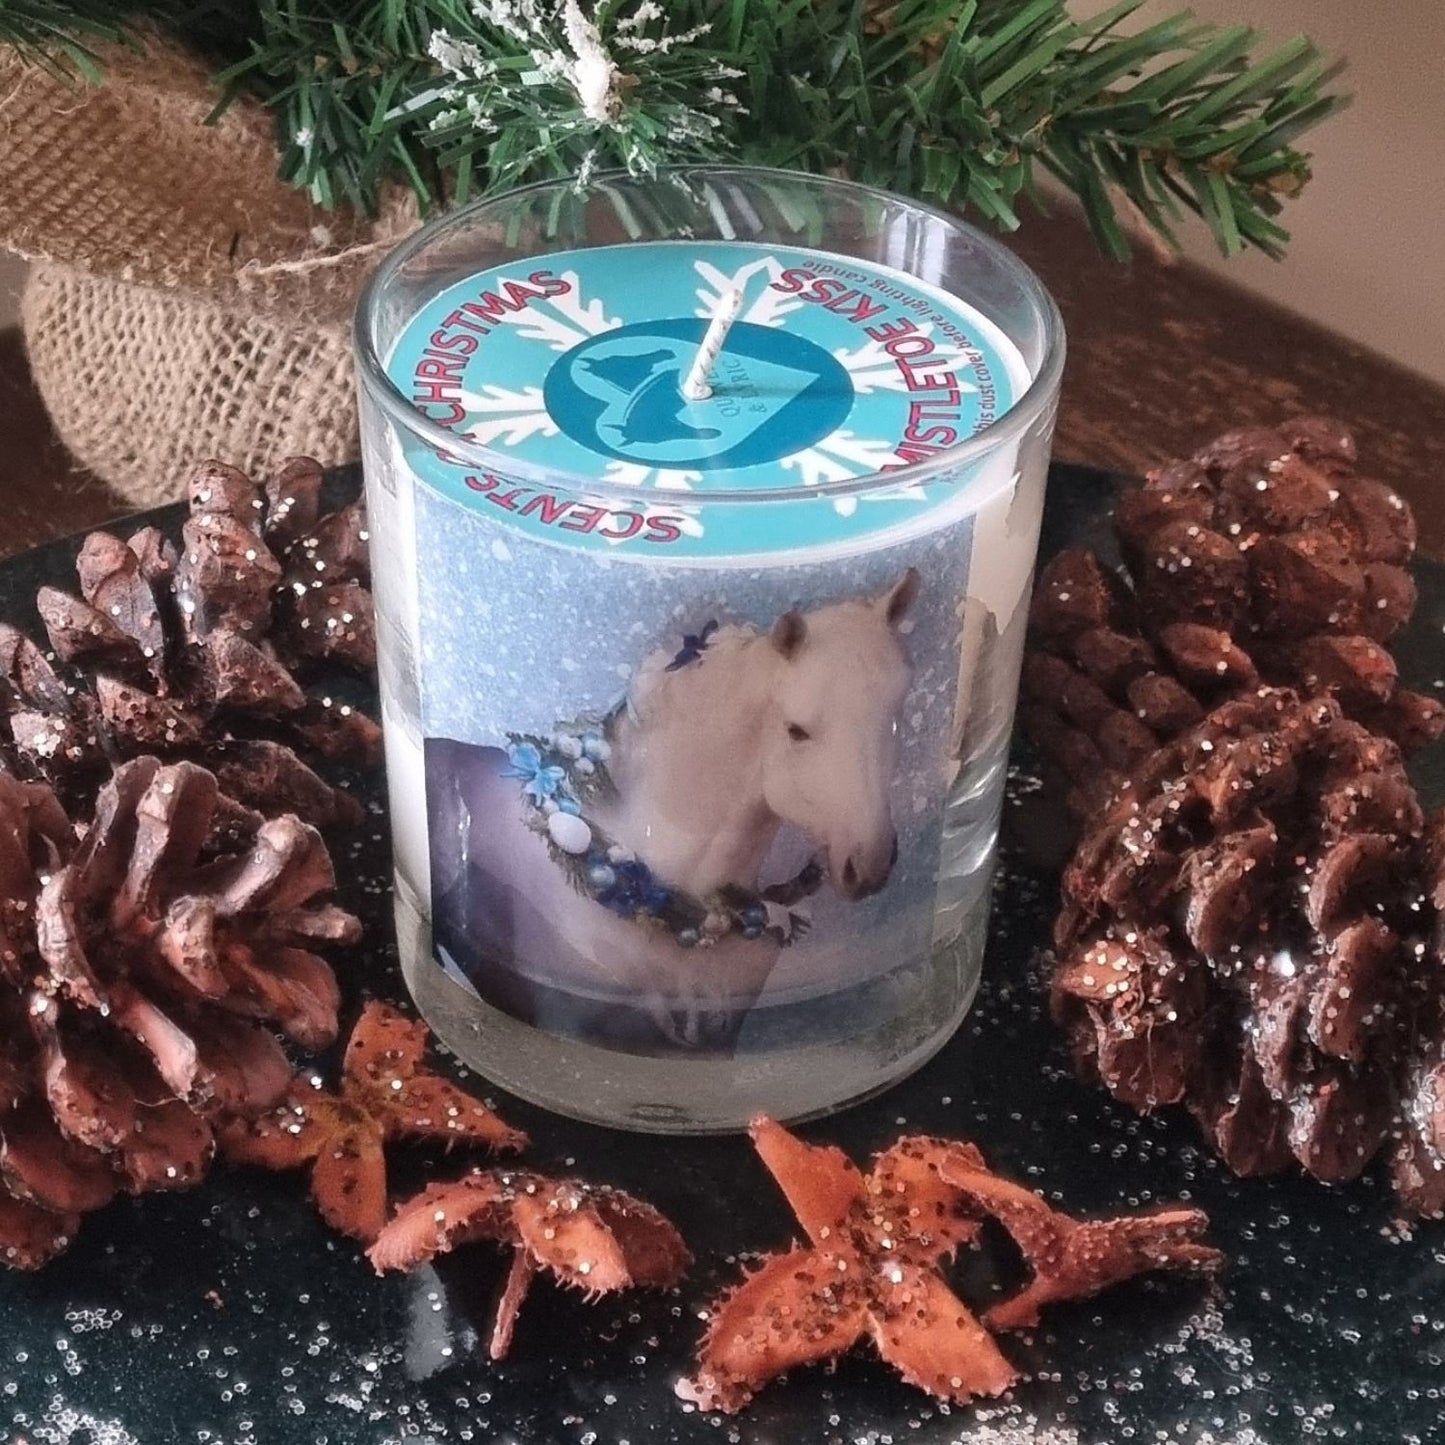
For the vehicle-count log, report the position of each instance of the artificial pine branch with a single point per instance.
(59, 34)
(64, 36)
(964, 103)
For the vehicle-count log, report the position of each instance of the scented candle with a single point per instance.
(704, 510)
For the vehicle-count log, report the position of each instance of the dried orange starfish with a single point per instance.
(1075, 1258)
(877, 1242)
(385, 1094)
(588, 1236)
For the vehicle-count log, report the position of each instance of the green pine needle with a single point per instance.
(59, 34)
(962, 103)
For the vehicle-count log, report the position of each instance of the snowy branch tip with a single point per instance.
(567, 46)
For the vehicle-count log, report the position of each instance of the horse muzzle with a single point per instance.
(866, 870)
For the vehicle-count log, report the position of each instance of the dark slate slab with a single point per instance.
(232, 1315)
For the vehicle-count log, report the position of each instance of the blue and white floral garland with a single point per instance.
(564, 774)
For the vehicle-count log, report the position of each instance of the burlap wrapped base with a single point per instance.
(140, 383)
(185, 302)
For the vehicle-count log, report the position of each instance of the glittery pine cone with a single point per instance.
(323, 611)
(191, 654)
(145, 966)
(1247, 932)
(1096, 696)
(1266, 557)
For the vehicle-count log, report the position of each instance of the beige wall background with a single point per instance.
(1368, 256)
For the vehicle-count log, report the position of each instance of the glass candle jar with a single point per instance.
(697, 676)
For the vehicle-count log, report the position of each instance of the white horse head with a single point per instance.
(830, 745)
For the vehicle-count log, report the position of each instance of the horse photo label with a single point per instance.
(834, 372)
(661, 801)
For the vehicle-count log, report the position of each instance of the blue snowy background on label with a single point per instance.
(518, 635)
(836, 369)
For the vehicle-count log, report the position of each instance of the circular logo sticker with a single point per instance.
(620, 394)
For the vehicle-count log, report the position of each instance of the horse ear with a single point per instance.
(901, 596)
(788, 632)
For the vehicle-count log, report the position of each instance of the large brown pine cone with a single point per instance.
(1266, 557)
(1096, 696)
(190, 654)
(1250, 930)
(143, 968)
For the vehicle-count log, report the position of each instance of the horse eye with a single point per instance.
(798, 735)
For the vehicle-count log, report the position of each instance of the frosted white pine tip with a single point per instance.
(594, 76)
(644, 14)
(588, 168)
(521, 19)
(461, 57)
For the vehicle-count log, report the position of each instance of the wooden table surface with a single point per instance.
(1160, 359)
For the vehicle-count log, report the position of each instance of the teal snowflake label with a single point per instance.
(836, 369)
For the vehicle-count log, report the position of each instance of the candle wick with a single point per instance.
(696, 386)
